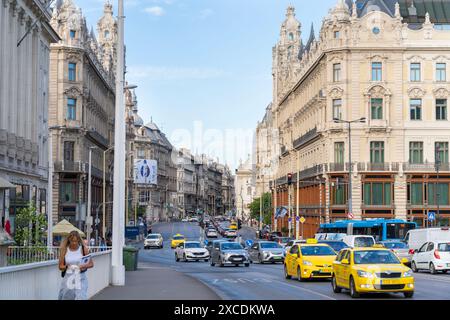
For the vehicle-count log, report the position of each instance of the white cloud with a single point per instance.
(206, 13)
(155, 11)
(174, 73)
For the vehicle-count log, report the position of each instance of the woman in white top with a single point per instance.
(74, 284)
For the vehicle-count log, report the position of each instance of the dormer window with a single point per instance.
(72, 34)
(291, 36)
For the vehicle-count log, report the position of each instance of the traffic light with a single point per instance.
(289, 178)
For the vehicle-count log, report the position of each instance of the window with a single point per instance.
(339, 194)
(107, 34)
(291, 36)
(337, 108)
(441, 109)
(377, 193)
(336, 72)
(337, 34)
(289, 52)
(416, 152)
(141, 153)
(69, 147)
(415, 109)
(377, 71)
(72, 34)
(441, 72)
(438, 193)
(72, 71)
(376, 107)
(71, 109)
(377, 152)
(442, 156)
(67, 194)
(416, 193)
(415, 72)
(339, 152)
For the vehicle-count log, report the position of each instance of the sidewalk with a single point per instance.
(153, 282)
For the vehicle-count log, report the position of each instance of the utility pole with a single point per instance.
(297, 214)
(436, 191)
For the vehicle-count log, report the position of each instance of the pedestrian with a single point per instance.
(8, 227)
(74, 285)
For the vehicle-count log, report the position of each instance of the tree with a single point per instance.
(31, 227)
(255, 208)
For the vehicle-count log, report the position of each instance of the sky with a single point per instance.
(203, 67)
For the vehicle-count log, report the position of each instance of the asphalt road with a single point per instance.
(262, 282)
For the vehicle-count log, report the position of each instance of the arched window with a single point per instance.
(291, 36)
(289, 52)
(107, 34)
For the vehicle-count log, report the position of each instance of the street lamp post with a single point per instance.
(104, 192)
(89, 216)
(361, 120)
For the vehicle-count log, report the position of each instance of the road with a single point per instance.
(263, 282)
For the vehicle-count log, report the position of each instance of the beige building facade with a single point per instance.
(377, 60)
(81, 113)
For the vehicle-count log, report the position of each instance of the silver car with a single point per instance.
(400, 248)
(228, 253)
(266, 251)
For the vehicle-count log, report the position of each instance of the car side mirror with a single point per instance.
(404, 261)
(345, 261)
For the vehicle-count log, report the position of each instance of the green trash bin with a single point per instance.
(130, 258)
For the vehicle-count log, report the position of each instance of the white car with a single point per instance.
(229, 233)
(359, 241)
(154, 240)
(185, 220)
(191, 251)
(211, 233)
(433, 256)
(292, 243)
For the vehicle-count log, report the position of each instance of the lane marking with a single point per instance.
(307, 290)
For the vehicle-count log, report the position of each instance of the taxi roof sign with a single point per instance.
(311, 241)
(378, 245)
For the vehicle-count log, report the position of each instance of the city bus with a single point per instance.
(380, 229)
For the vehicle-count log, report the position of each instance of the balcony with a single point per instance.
(426, 166)
(384, 166)
(284, 151)
(69, 166)
(306, 138)
(98, 138)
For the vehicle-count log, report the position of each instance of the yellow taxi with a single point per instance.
(309, 260)
(373, 269)
(176, 240)
(233, 226)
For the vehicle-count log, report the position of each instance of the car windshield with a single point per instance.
(178, 237)
(230, 246)
(152, 236)
(444, 247)
(337, 245)
(270, 245)
(395, 245)
(284, 240)
(192, 245)
(375, 257)
(364, 242)
(317, 251)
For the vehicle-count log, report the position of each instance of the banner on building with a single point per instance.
(145, 171)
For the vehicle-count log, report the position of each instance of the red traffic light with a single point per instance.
(289, 178)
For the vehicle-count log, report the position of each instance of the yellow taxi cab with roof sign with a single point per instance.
(176, 240)
(309, 260)
(374, 269)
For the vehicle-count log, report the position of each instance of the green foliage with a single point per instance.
(255, 208)
(285, 230)
(30, 228)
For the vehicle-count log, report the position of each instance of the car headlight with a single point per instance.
(266, 253)
(408, 273)
(307, 263)
(364, 274)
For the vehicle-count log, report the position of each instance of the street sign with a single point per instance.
(97, 221)
(350, 215)
(249, 242)
(297, 218)
(302, 220)
(431, 216)
(290, 219)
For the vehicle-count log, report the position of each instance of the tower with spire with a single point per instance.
(107, 37)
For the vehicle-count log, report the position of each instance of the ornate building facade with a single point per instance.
(244, 185)
(81, 112)
(24, 91)
(383, 61)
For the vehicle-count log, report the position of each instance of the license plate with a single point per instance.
(238, 259)
(325, 271)
(388, 282)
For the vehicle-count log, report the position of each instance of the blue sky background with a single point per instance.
(207, 61)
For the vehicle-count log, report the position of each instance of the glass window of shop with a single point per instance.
(377, 193)
(438, 193)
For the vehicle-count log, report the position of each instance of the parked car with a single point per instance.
(282, 241)
(153, 240)
(417, 237)
(228, 253)
(266, 251)
(336, 245)
(359, 241)
(191, 251)
(433, 256)
(400, 248)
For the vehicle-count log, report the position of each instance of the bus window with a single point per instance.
(398, 230)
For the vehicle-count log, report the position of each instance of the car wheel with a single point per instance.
(408, 294)
(414, 267)
(247, 265)
(432, 268)
(221, 264)
(211, 263)
(286, 275)
(299, 274)
(336, 289)
(184, 257)
(353, 292)
(260, 259)
(444, 271)
(176, 258)
(236, 265)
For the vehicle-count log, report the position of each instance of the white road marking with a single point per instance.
(307, 290)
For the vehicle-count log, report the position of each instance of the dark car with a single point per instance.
(272, 235)
(282, 241)
(336, 245)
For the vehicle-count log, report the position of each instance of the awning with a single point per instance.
(5, 184)
(64, 227)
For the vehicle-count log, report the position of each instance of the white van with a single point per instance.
(359, 241)
(417, 237)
